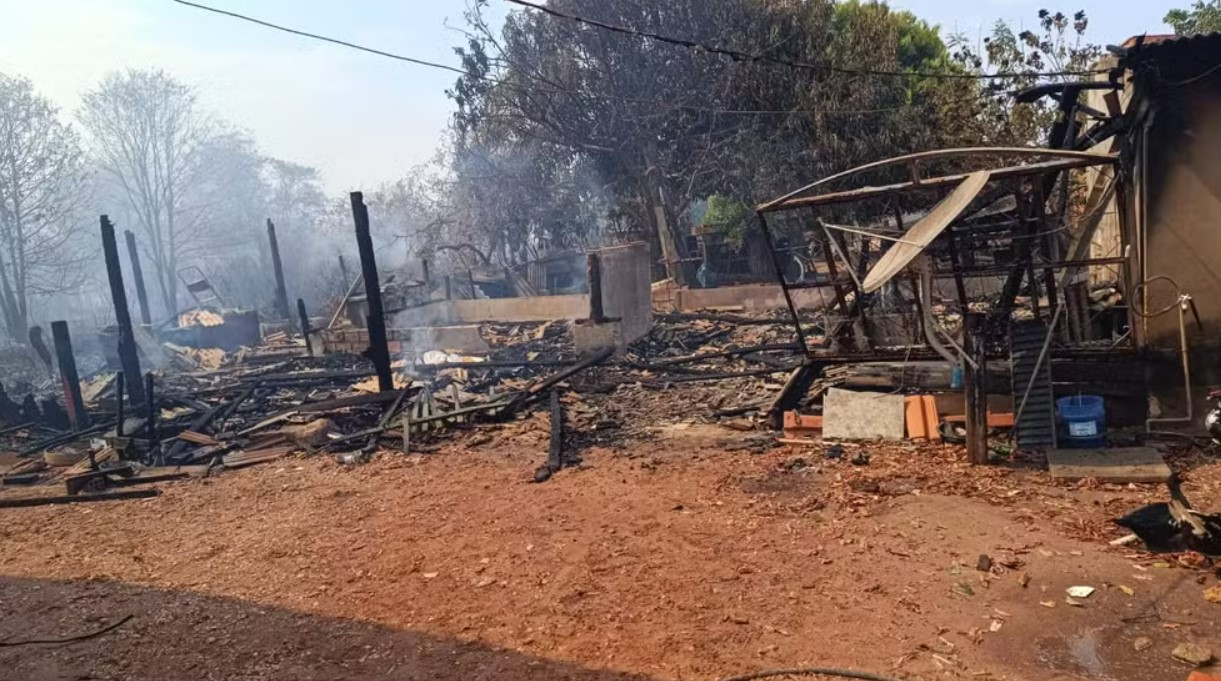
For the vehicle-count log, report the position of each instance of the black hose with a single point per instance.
(811, 671)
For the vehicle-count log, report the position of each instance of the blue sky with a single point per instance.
(359, 118)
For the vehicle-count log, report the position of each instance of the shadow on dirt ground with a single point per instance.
(184, 635)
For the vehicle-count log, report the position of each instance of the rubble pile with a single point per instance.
(217, 410)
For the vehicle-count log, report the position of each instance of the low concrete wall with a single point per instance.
(749, 297)
(533, 309)
(436, 313)
(466, 339)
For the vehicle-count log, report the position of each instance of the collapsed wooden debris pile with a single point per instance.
(215, 411)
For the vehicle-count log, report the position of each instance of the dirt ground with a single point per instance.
(674, 559)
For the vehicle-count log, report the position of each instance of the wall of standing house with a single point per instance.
(1183, 189)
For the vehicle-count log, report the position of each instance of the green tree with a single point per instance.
(659, 126)
(1202, 18)
(1060, 46)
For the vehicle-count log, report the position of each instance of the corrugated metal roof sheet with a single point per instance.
(1174, 57)
(1169, 46)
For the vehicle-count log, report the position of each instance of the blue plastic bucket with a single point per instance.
(1084, 418)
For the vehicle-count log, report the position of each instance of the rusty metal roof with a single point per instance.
(1174, 57)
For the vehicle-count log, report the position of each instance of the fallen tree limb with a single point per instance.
(27, 502)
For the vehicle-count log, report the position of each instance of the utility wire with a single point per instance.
(553, 90)
(746, 56)
(315, 36)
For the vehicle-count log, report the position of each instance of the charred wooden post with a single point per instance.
(128, 358)
(40, 347)
(137, 272)
(427, 273)
(975, 385)
(593, 273)
(379, 351)
(120, 385)
(305, 329)
(154, 439)
(68, 376)
(959, 285)
(281, 291)
(449, 287)
(343, 269)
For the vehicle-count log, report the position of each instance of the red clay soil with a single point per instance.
(673, 560)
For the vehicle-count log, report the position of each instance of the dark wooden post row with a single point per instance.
(278, 268)
(128, 358)
(305, 328)
(137, 272)
(379, 351)
(77, 416)
(975, 387)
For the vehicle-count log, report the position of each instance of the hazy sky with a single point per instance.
(360, 118)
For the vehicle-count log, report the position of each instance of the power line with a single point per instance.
(746, 56)
(315, 36)
(554, 90)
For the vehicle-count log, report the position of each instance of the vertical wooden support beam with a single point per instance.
(449, 287)
(343, 269)
(120, 384)
(278, 268)
(593, 275)
(379, 351)
(1126, 249)
(154, 437)
(952, 242)
(975, 379)
(305, 328)
(137, 272)
(427, 272)
(128, 358)
(68, 376)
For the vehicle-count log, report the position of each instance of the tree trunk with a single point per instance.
(15, 321)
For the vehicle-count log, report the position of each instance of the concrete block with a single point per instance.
(590, 338)
(1118, 465)
(850, 415)
(627, 288)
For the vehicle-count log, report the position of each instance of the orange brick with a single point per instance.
(1201, 676)
(798, 425)
(920, 415)
(932, 419)
(913, 416)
